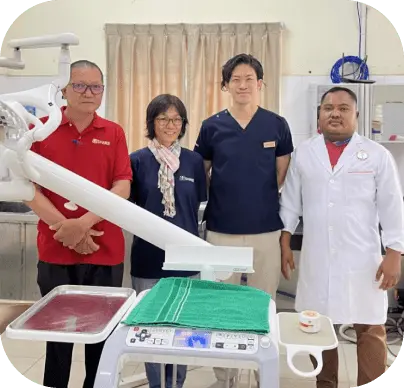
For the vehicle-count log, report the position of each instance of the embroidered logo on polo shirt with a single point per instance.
(103, 142)
(184, 178)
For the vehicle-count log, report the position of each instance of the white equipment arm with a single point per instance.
(15, 119)
(25, 167)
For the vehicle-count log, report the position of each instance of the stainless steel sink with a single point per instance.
(13, 207)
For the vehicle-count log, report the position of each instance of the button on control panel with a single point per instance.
(238, 342)
(150, 336)
(179, 338)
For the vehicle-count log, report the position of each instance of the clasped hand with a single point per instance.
(76, 235)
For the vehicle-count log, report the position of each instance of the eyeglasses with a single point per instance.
(164, 121)
(82, 88)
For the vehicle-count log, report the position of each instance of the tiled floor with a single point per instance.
(28, 358)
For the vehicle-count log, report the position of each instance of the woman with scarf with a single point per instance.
(168, 181)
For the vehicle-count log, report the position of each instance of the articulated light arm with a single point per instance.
(61, 40)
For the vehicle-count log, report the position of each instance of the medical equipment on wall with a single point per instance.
(184, 251)
(358, 70)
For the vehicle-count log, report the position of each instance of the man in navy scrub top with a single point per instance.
(247, 151)
(168, 181)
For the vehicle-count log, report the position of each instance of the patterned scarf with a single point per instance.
(169, 159)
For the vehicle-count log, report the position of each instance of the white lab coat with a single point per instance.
(341, 210)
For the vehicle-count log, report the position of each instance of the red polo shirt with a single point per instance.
(335, 152)
(99, 154)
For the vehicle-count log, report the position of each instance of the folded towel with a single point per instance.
(200, 304)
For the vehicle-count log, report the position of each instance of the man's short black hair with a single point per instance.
(161, 104)
(336, 89)
(86, 63)
(241, 59)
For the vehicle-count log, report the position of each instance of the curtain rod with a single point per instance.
(282, 24)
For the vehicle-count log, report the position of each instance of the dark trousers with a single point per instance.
(59, 355)
(372, 357)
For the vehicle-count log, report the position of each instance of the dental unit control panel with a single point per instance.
(179, 338)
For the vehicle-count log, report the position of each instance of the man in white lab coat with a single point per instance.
(344, 185)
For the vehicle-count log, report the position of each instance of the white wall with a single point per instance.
(317, 31)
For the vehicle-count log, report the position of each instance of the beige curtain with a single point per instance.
(144, 61)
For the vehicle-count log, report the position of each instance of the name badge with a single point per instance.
(269, 144)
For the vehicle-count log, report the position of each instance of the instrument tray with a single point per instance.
(73, 314)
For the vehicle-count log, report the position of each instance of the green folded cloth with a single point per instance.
(200, 304)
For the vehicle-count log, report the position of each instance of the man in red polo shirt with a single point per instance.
(76, 246)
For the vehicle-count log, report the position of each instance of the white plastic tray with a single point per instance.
(296, 341)
(73, 314)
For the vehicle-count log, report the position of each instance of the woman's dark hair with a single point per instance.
(241, 59)
(161, 104)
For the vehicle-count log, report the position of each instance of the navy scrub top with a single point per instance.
(190, 190)
(243, 191)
